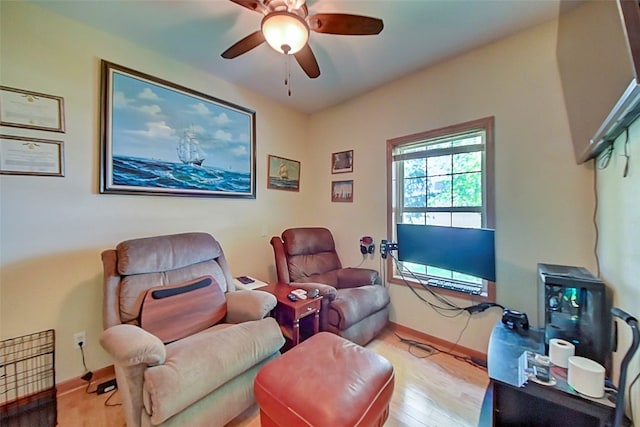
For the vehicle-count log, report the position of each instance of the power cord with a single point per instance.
(479, 308)
(448, 305)
(444, 310)
(601, 163)
(106, 402)
(88, 375)
(476, 308)
(432, 350)
(603, 160)
(626, 153)
(595, 222)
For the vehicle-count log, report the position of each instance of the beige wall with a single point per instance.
(619, 242)
(544, 202)
(52, 230)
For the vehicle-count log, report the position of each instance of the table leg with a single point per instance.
(296, 332)
(316, 322)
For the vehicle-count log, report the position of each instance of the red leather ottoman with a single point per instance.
(325, 381)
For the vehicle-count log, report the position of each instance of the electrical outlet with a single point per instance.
(80, 337)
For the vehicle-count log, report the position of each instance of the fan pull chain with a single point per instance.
(287, 67)
(287, 73)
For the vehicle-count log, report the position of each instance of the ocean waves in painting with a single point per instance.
(156, 174)
(283, 184)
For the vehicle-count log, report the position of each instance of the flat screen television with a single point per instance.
(465, 250)
(598, 54)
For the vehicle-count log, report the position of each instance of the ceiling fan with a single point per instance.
(286, 25)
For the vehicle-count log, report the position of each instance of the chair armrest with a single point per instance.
(130, 345)
(244, 306)
(133, 350)
(328, 292)
(353, 277)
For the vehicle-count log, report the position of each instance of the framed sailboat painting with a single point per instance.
(284, 174)
(159, 138)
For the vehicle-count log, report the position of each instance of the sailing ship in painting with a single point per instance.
(283, 171)
(188, 148)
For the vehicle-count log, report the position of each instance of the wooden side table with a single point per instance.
(288, 313)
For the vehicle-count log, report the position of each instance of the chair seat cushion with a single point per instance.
(199, 364)
(351, 305)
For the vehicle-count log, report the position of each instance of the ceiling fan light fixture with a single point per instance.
(285, 32)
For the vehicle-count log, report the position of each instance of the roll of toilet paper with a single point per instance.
(560, 351)
(586, 376)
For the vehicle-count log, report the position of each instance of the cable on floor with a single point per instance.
(106, 402)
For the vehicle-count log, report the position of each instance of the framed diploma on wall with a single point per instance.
(31, 110)
(31, 156)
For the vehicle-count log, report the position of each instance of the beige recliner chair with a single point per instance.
(186, 345)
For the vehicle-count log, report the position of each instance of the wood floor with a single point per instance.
(430, 390)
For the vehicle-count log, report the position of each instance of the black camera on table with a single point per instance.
(515, 320)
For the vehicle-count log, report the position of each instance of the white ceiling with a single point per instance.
(416, 34)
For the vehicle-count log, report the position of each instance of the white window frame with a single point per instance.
(395, 189)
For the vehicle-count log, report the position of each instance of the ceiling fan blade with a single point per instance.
(244, 45)
(307, 61)
(342, 23)
(254, 5)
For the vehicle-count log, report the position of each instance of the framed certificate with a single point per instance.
(31, 156)
(31, 110)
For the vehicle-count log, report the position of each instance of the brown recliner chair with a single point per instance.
(355, 305)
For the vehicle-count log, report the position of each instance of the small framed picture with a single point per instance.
(342, 191)
(342, 162)
(284, 174)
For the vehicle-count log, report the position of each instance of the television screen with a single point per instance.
(465, 250)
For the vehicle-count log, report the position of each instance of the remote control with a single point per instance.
(245, 280)
(300, 293)
(292, 297)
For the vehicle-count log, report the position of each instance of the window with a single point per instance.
(442, 177)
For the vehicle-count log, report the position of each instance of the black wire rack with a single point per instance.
(28, 381)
